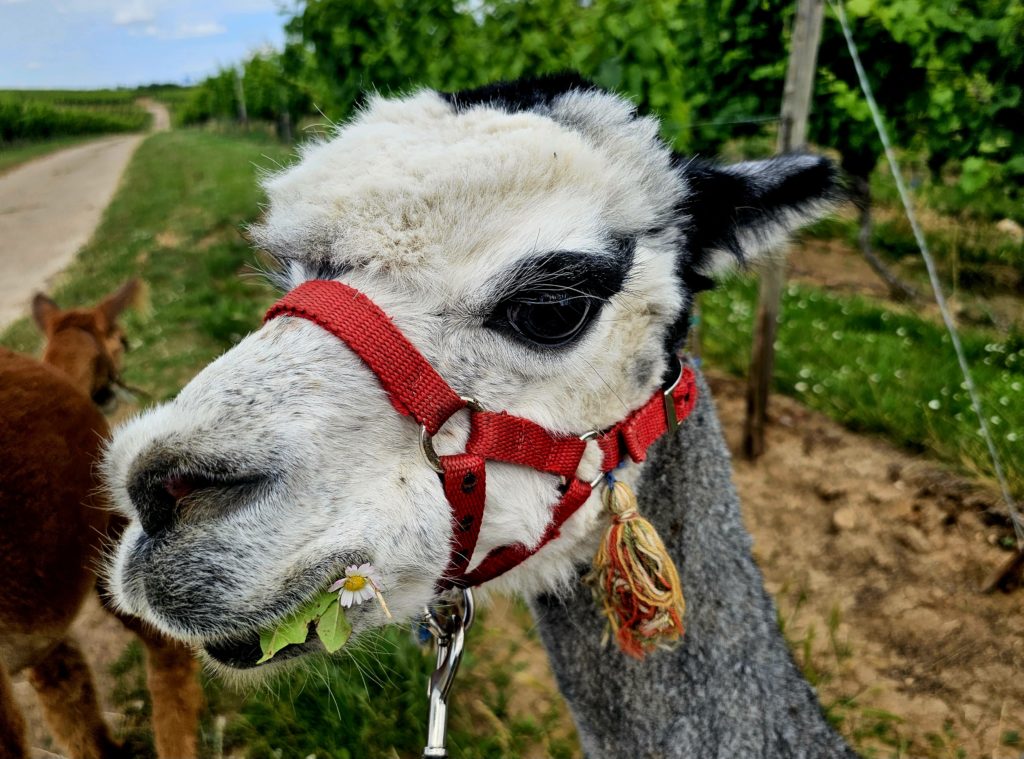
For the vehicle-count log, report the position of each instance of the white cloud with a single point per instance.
(183, 31)
(132, 13)
(202, 29)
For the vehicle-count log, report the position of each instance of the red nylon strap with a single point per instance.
(417, 390)
(465, 487)
(414, 387)
(637, 432)
(632, 436)
(502, 559)
(515, 440)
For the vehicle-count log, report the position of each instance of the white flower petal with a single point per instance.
(346, 598)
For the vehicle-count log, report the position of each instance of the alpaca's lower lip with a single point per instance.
(245, 651)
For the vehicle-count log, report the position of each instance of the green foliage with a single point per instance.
(948, 76)
(879, 370)
(348, 48)
(268, 91)
(41, 115)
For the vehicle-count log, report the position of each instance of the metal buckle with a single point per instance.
(448, 622)
(427, 441)
(671, 419)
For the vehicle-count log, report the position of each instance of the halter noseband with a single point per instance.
(417, 390)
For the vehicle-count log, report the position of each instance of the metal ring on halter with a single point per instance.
(593, 435)
(427, 440)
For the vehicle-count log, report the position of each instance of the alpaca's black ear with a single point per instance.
(736, 213)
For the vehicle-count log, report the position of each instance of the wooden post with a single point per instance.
(243, 113)
(796, 105)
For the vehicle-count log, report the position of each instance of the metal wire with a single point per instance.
(933, 276)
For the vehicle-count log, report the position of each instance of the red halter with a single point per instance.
(417, 390)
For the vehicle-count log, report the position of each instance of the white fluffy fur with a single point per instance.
(425, 211)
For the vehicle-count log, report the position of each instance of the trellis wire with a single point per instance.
(933, 276)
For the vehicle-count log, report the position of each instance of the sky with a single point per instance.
(85, 44)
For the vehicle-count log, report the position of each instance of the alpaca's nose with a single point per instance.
(163, 489)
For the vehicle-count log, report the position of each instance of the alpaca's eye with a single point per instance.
(550, 319)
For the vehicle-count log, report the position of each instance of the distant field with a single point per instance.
(33, 115)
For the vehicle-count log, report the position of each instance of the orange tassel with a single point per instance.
(635, 580)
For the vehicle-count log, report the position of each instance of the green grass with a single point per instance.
(15, 154)
(878, 369)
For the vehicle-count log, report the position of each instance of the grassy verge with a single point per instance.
(12, 156)
(879, 369)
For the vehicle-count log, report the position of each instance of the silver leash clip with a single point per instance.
(447, 621)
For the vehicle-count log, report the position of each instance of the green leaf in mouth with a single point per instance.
(290, 630)
(333, 628)
(293, 629)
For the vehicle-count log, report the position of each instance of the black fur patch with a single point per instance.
(720, 203)
(526, 94)
(582, 274)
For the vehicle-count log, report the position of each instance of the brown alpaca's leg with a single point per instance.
(12, 724)
(172, 678)
(68, 697)
(177, 698)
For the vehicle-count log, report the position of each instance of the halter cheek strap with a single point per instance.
(418, 391)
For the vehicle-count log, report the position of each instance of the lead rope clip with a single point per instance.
(447, 622)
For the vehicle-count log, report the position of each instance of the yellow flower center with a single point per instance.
(355, 582)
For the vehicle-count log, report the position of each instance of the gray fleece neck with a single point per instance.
(731, 690)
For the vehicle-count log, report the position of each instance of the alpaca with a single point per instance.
(541, 246)
(55, 526)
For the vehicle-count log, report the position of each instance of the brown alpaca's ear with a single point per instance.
(119, 300)
(43, 310)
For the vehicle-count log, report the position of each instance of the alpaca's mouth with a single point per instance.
(244, 651)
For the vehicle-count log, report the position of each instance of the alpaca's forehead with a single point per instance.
(413, 184)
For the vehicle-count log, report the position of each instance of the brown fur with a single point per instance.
(54, 527)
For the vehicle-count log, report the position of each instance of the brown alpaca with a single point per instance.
(53, 527)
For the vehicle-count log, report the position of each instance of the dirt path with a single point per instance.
(49, 208)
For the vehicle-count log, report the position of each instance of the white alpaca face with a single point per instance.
(537, 257)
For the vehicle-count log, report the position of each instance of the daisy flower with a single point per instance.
(360, 583)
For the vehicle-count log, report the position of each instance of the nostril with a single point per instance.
(152, 497)
(160, 491)
(179, 486)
